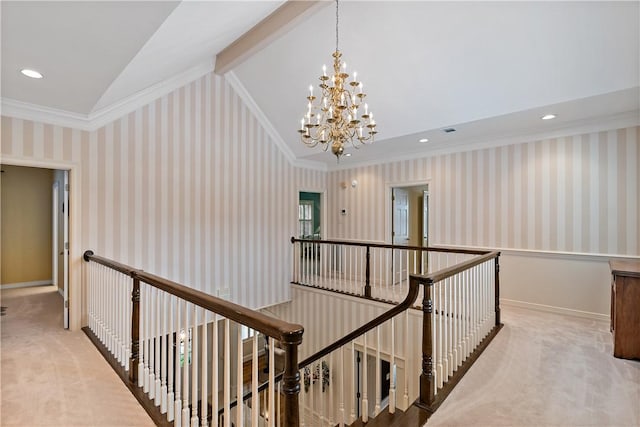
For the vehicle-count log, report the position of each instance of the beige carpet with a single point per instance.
(53, 377)
(546, 370)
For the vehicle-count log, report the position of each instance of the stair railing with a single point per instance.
(368, 269)
(173, 345)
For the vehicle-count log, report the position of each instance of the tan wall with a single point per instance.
(26, 224)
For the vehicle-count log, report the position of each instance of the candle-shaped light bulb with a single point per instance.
(322, 137)
(360, 131)
(310, 90)
(366, 108)
(324, 71)
(342, 99)
(349, 117)
(302, 123)
(360, 86)
(355, 76)
(344, 67)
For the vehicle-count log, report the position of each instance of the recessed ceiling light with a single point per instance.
(548, 117)
(31, 73)
(348, 155)
(424, 140)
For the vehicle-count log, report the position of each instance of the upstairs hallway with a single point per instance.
(542, 369)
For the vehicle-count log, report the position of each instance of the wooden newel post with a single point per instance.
(367, 283)
(291, 379)
(135, 329)
(427, 391)
(497, 289)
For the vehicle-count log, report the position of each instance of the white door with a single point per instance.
(65, 248)
(425, 219)
(54, 239)
(400, 198)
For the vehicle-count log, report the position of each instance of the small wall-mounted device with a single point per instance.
(354, 183)
(343, 212)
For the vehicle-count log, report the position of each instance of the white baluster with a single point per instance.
(449, 302)
(407, 343)
(352, 388)
(227, 375)
(378, 375)
(392, 370)
(181, 337)
(152, 338)
(165, 350)
(194, 367)
(170, 362)
(255, 397)
(321, 393)
(365, 383)
(185, 365)
(215, 388)
(272, 385)
(304, 406)
(147, 355)
(331, 386)
(341, 416)
(440, 342)
(239, 379)
(158, 334)
(205, 366)
(141, 337)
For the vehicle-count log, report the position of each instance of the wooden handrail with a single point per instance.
(404, 305)
(453, 270)
(271, 326)
(289, 334)
(391, 246)
(414, 286)
(122, 268)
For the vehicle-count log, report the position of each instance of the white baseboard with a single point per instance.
(26, 284)
(558, 310)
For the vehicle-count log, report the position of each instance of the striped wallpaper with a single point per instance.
(190, 187)
(577, 194)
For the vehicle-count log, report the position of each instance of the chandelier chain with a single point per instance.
(337, 23)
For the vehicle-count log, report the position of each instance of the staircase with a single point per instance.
(176, 347)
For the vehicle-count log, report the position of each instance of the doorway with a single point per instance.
(35, 230)
(310, 227)
(409, 225)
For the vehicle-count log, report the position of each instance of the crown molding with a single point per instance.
(243, 93)
(97, 119)
(146, 96)
(578, 127)
(38, 113)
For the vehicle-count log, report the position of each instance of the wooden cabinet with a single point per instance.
(625, 308)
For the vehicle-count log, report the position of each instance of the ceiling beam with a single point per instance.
(270, 28)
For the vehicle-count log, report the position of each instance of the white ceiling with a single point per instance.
(490, 69)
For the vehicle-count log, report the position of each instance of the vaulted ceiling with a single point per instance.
(488, 69)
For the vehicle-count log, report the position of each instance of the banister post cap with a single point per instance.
(86, 255)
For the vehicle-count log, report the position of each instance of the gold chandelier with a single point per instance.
(339, 117)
